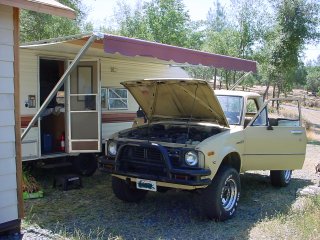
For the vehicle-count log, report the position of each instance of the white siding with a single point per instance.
(6, 36)
(6, 85)
(28, 79)
(7, 166)
(7, 135)
(8, 213)
(7, 150)
(6, 198)
(7, 101)
(6, 117)
(8, 181)
(6, 69)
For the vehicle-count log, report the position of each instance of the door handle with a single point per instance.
(296, 131)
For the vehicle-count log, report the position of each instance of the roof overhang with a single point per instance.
(45, 6)
(130, 47)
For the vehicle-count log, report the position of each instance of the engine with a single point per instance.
(172, 133)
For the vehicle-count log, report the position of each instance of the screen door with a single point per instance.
(83, 109)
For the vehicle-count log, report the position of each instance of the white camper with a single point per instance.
(71, 96)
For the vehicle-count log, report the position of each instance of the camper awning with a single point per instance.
(135, 47)
(131, 47)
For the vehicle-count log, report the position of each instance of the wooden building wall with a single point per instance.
(8, 172)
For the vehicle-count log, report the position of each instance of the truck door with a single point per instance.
(83, 131)
(275, 139)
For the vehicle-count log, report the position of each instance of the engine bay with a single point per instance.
(172, 133)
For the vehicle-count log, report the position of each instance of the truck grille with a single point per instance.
(143, 160)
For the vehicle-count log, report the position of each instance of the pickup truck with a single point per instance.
(201, 140)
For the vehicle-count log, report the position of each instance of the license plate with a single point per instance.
(147, 185)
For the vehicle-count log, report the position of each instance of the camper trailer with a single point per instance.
(71, 96)
(97, 106)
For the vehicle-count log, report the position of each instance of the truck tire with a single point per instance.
(280, 178)
(127, 192)
(85, 164)
(220, 199)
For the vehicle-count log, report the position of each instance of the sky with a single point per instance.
(99, 10)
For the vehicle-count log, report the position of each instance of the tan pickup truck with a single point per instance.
(200, 139)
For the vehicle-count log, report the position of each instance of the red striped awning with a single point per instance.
(135, 47)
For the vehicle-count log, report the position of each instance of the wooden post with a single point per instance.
(17, 111)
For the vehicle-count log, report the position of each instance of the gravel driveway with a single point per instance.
(93, 212)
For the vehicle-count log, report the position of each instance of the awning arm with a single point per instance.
(62, 80)
(240, 80)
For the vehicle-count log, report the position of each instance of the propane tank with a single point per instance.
(62, 144)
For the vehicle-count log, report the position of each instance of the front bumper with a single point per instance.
(167, 174)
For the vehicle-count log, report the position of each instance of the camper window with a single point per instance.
(114, 98)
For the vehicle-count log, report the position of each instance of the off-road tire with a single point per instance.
(280, 178)
(220, 199)
(127, 191)
(85, 164)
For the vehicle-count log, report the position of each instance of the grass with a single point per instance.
(302, 223)
(61, 232)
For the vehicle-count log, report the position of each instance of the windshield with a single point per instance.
(232, 108)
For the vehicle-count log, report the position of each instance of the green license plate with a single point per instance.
(147, 185)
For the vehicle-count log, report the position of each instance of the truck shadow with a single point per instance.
(94, 211)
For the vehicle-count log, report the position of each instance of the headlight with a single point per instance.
(112, 148)
(191, 158)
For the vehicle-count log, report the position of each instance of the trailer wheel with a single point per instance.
(85, 164)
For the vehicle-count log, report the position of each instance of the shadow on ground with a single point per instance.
(94, 211)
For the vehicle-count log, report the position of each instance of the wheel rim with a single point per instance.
(287, 175)
(229, 194)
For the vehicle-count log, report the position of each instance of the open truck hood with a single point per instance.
(178, 99)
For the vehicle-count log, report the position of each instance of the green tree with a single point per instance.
(216, 18)
(37, 26)
(296, 25)
(163, 21)
(167, 21)
(132, 22)
(313, 78)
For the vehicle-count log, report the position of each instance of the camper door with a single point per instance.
(83, 132)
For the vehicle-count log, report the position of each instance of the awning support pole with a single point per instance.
(62, 80)
(240, 80)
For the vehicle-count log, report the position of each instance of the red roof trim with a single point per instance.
(135, 47)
